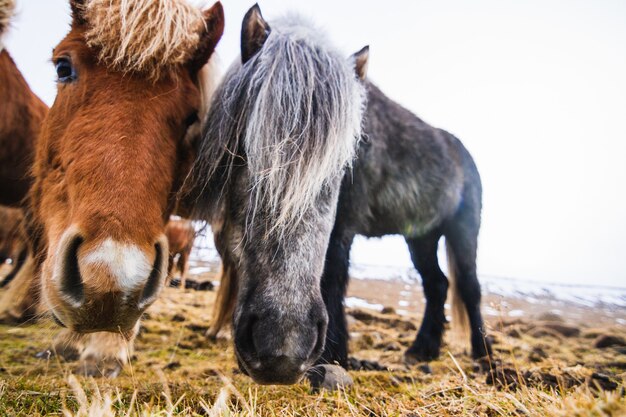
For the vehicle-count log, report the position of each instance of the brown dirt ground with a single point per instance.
(546, 364)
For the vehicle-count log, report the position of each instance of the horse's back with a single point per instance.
(409, 177)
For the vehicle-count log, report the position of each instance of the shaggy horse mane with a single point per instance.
(145, 36)
(293, 114)
(6, 12)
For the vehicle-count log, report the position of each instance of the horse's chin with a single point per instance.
(255, 372)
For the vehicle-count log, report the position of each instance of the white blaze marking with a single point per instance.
(127, 263)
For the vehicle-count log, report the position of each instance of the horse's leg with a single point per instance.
(426, 345)
(462, 242)
(105, 354)
(19, 262)
(183, 266)
(334, 284)
(21, 300)
(170, 266)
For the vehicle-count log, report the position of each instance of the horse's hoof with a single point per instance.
(107, 368)
(421, 353)
(481, 348)
(329, 377)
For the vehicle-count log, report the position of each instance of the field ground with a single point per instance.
(569, 362)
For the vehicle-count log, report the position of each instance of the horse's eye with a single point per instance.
(65, 70)
(191, 119)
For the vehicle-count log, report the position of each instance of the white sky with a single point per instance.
(536, 90)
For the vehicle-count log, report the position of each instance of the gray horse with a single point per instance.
(281, 131)
(419, 182)
(408, 178)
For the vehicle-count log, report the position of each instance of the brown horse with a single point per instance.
(13, 241)
(180, 235)
(112, 155)
(21, 115)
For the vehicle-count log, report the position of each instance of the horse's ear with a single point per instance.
(210, 36)
(78, 9)
(361, 60)
(254, 32)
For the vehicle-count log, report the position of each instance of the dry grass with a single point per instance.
(177, 372)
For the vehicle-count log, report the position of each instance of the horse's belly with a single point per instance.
(409, 213)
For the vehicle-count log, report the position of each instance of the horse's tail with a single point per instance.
(460, 319)
(225, 300)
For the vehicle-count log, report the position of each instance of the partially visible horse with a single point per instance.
(113, 152)
(414, 180)
(13, 241)
(283, 127)
(408, 178)
(180, 235)
(21, 115)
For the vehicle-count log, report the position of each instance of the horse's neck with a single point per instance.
(16, 94)
(21, 108)
(21, 116)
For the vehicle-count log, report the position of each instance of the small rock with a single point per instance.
(563, 329)
(602, 381)
(504, 378)
(515, 332)
(606, 340)
(200, 328)
(621, 365)
(364, 365)
(537, 354)
(592, 333)
(486, 365)
(541, 332)
(329, 377)
(388, 310)
(210, 372)
(205, 286)
(392, 347)
(550, 316)
(425, 368)
(172, 365)
(546, 379)
(178, 317)
(354, 364)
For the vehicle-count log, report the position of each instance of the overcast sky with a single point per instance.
(536, 90)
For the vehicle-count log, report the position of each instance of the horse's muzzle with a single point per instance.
(104, 286)
(274, 348)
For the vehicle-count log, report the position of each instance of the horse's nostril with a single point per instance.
(247, 342)
(153, 285)
(71, 284)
